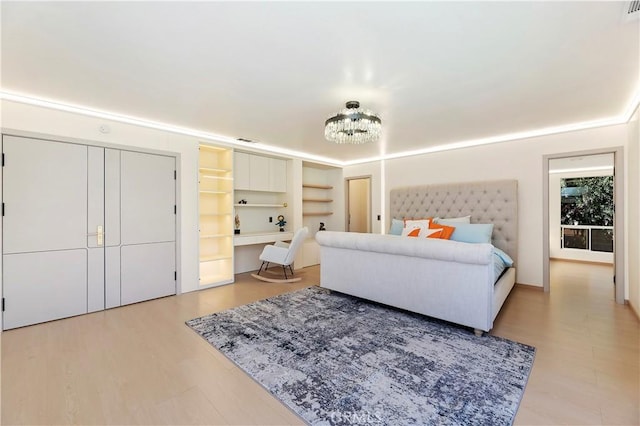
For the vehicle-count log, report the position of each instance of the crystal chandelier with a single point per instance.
(353, 125)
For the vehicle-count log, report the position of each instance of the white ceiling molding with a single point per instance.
(227, 140)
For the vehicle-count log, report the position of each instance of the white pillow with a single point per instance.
(415, 228)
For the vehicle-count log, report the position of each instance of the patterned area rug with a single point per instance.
(336, 359)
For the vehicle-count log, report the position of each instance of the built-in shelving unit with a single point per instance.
(215, 188)
(313, 197)
(321, 197)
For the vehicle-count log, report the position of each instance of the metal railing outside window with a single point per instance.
(587, 237)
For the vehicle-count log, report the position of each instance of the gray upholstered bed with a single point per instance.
(486, 202)
(449, 280)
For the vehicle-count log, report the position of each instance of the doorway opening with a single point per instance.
(358, 192)
(583, 212)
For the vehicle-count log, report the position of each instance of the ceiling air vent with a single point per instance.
(246, 140)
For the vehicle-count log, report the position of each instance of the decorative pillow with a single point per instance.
(396, 227)
(446, 233)
(508, 262)
(434, 233)
(411, 225)
(473, 233)
(452, 220)
(411, 232)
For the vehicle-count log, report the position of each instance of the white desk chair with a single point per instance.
(282, 254)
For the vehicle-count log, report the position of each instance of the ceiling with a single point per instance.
(436, 72)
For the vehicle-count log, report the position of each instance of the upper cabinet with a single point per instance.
(241, 169)
(257, 173)
(277, 175)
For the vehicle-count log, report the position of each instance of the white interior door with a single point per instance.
(84, 228)
(148, 221)
(359, 205)
(44, 230)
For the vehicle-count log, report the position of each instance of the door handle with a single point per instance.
(99, 234)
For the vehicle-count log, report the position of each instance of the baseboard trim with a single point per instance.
(626, 302)
(529, 287)
(590, 262)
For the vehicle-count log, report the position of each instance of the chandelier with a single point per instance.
(353, 125)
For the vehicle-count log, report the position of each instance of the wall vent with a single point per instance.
(634, 7)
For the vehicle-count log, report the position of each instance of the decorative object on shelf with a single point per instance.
(237, 230)
(243, 201)
(322, 228)
(281, 223)
(353, 125)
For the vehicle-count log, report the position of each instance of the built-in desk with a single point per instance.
(261, 238)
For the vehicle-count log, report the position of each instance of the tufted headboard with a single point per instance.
(487, 202)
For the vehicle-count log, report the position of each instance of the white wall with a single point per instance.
(521, 160)
(29, 118)
(633, 214)
(555, 250)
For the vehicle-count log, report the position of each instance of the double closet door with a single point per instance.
(84, 229)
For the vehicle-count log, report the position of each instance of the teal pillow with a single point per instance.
(473, 232)
(396, 227)
(508, 262)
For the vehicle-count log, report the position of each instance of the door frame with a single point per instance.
(619, 256)
(100, 144)
(346, 196)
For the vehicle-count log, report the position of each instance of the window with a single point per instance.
(586, 209)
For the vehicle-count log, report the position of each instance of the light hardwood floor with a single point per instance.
(140, 364)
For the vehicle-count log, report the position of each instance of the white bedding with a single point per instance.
(444, 279)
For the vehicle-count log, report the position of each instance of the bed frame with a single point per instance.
(486, 202)
(448, 280)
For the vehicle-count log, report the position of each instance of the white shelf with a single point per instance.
(317, 200)
(311, 185)
(260, 205)
(216, 214)
(214, 192)
(213, 170)
(261, 238)
(215, 280)
(214, 258)
(216, 177)
(215, 236)
(317, 213)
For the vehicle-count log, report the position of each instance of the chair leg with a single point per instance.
(291, 269)
(284, 268)
(260, 269)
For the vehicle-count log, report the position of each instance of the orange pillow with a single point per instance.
(414, 233)
(447, 231)
(435, 233)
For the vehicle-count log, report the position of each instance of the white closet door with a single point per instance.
(45, 195)
(148, 221)
(147, 271)
(44, 286)
(148, 198)
(44, 231)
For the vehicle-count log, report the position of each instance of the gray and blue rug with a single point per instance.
(339, 360)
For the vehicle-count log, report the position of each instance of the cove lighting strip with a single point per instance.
(627, 114)
(127, 119)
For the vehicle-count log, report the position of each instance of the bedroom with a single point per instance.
(519, 159)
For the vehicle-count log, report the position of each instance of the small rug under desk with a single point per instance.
(339, 360)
